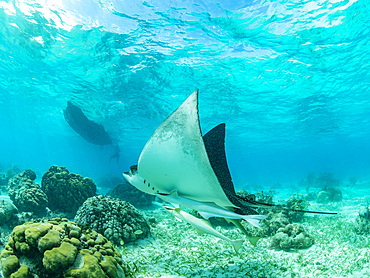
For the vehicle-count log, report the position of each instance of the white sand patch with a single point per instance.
(176, 250)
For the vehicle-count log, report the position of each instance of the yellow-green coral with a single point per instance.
(33, 233)
(22, 272)
(9, 264)
(59, 258)
(87, 266)
(59, 248)
(48, 241)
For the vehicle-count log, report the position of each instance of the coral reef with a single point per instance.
(115, 219)
(5, 177)
(131, 194)
(7, 210)
(362, 223)
(261, 197)
(59, 248)
(329, 187)
(274, 222)
(3, 183)
(323, 180)
(296, 202)
(329, 194)
(293, 236)
(26, 194)
(66, 191)
(269, 226)
(106, 183)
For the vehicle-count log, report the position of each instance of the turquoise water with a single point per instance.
(290, 80)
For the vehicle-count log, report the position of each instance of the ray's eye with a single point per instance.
(144, 181)
(148, 184)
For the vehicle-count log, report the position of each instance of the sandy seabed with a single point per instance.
(176, 250)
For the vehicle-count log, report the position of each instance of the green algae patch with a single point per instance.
(60, 258)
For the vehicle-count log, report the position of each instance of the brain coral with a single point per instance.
(116, 219)
(59, 248)
(26, 194)
(126, 192)
(66, 191)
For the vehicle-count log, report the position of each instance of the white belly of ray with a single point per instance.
(175, 158)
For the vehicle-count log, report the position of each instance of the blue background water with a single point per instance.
(289, 78)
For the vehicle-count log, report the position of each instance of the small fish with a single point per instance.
(138, 232)
(202, 226)
(208, 210)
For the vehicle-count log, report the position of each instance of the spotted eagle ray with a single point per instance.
(177, 157)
